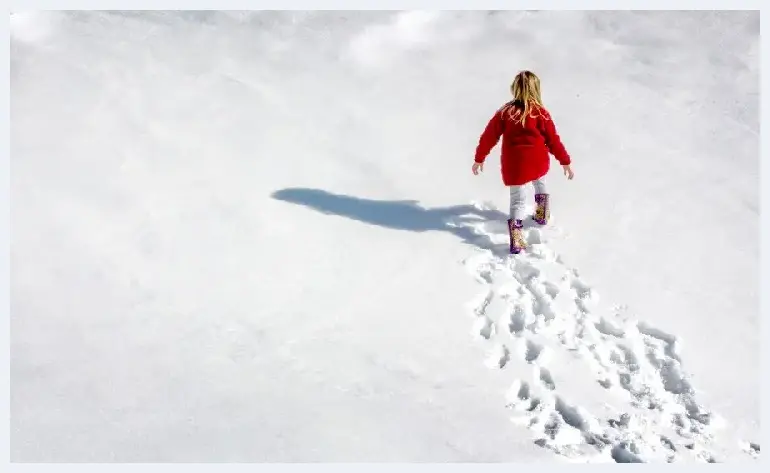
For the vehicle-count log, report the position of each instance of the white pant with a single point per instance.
(517, 197)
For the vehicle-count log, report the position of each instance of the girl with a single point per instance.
(529, 135)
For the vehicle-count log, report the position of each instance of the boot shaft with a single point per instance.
(542, 209)
(517, 243)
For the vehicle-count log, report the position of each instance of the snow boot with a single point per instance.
(516, 236)
(542, 210)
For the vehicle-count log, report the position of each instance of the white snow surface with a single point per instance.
(255, 236)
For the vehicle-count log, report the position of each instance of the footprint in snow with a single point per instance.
(545, 377)
(499, 357)
(532, 351)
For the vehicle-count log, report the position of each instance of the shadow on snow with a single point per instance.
(405, 215)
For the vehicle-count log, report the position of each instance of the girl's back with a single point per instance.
(528, 132)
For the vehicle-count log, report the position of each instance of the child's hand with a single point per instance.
(568, 172)
(478, 167)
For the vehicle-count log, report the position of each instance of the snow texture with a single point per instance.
(255, 236)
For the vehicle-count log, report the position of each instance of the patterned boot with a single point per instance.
(542, 211)
(516, 236)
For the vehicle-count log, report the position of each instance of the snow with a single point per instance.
(255, 236)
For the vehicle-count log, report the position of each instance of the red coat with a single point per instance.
(524, 156)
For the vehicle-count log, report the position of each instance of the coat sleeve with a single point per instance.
(489, 137)
(552, 139)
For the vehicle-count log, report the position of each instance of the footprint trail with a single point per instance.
(550, 319)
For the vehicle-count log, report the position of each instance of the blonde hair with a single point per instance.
(526, 96)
